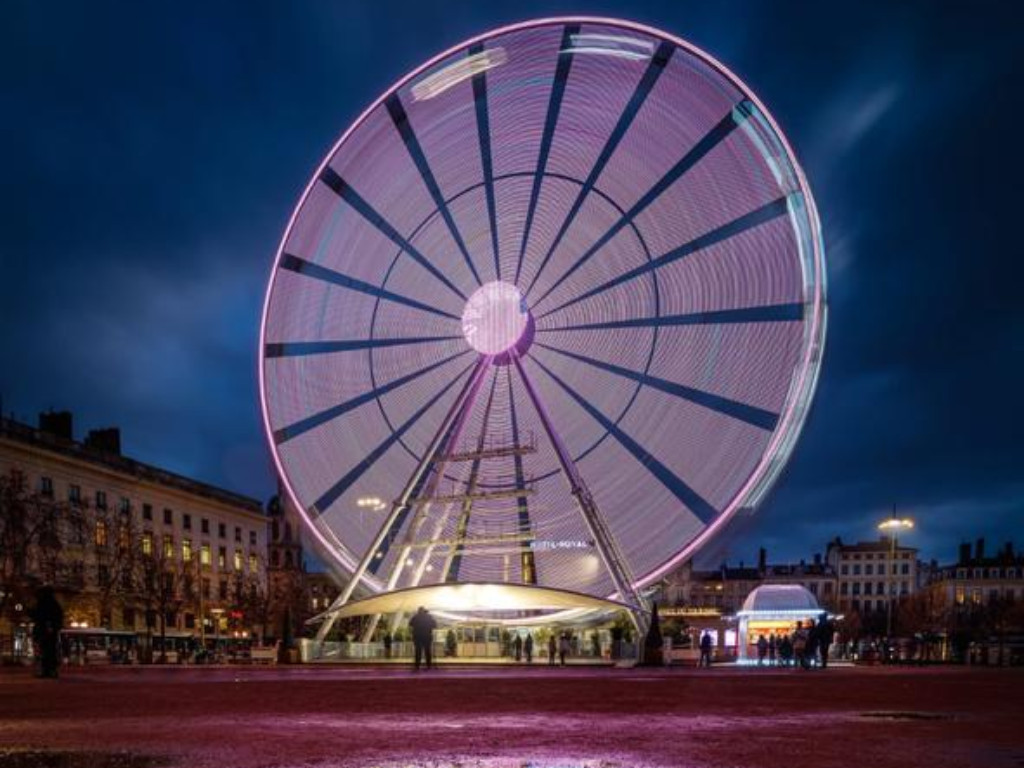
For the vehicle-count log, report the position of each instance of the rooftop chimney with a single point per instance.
(56, 423)
(106, 440)
(762, 559)
(979, 549)
(965, 553)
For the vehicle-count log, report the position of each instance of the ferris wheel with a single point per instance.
(549, 313)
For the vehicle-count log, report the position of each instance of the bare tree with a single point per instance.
(159, 581)
(30, 541)
(114, 555)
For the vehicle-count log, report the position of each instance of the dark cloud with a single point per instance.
(154, 154)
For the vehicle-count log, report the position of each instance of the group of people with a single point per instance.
(807, 645)
(559, 648)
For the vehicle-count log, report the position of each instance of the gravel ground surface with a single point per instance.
(502, 717)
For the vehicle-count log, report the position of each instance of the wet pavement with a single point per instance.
(363, 717)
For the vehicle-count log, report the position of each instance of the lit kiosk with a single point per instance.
(773, 609)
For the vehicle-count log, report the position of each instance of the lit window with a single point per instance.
(101, 533)
(222, 558)
(168, 546)
(204, 554)
(186, 550)
(147, 543)
(238, 560)
(960, 596)
(253, 563)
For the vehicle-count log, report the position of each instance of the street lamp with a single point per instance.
(892, 526)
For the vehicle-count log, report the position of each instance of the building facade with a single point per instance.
(870, 574)
(126, 545)
(979, 579)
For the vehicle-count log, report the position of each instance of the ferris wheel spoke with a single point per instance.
(751, 414)
(562, 67)
(404, 127)
(709, 141)
(696, 503)
(755, 218)
(769, 313)
(335, 491)
(304, 348)
(302, 426)
(483, 126)
(360, 205)
(654, 69)
(302, 267)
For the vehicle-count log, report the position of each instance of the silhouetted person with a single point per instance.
(772, 646)
(813, 639)
(48, 621)
(786, 650)
(528, 647)
(387, 645)
(800, 644)
(826, 635)
(552, 649)
(762, 650)
(423, 624)
(705, 650)
(517, 648)
(563, 648)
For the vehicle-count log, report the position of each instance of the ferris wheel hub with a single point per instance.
(495, 318)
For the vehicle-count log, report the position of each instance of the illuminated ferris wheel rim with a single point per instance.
(802, 387)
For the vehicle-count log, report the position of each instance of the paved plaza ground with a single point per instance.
(540, 717)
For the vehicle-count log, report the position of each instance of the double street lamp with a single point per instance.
(892, 527)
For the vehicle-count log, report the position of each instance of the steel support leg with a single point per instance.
(606, 544)
(402, 503)
(422, 510)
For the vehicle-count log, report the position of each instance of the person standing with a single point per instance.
(423, 625)
(705, 650)
(826, 634)
(387, 645)
(772, 645)
(563, 647)
(762, 650)
(552, 649)
(517, 648)
(48, 621)
(528, 647)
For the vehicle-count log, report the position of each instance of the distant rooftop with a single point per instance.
(102, 448)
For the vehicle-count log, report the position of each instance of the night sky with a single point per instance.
(154, 152)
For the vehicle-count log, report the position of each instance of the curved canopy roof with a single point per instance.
(461, 601)
(777, 598)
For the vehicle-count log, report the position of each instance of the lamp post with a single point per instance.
(892, 526)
